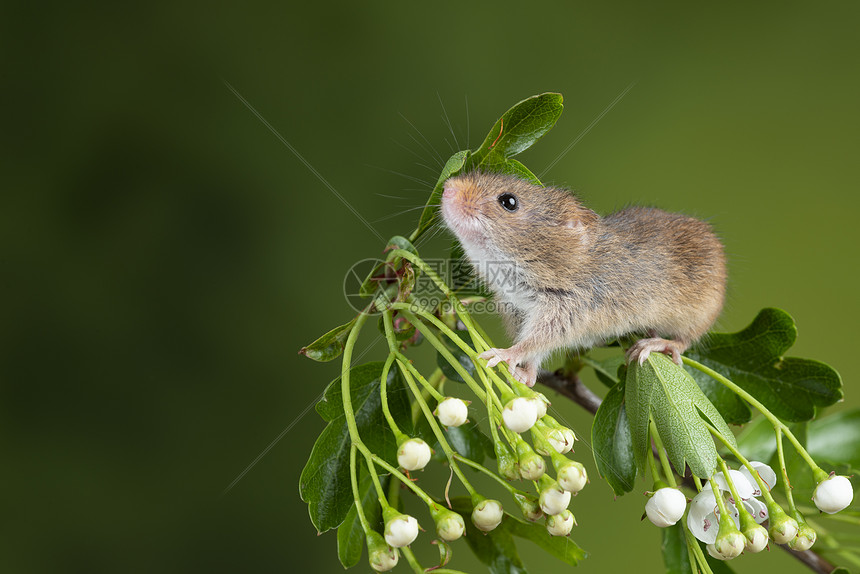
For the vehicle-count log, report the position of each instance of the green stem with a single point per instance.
(383, 392)
(718, 496)
(346, 395)
(661, 452)
(406, 310)
(413, 562)
(774, 421)
(402, 478)
(446, 354)
(461, 311)
(353, 475)
(696, 550)
(724, 467)
(655, 474)
(488, 472)
(440, 436)
(698, 482)
(785, 483)
(762, 485)
(431, 390)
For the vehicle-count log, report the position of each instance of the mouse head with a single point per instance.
(508, 215)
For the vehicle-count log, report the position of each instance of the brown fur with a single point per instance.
(583, 279)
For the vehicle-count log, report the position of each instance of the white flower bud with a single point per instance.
(413, 454)
(542, 403)
(731, 544)
(560, 524)
(401, 531)
(520, 414)
(384, 561)
(666, 507)
(381, 556)
(784, 531)
(452, 412)
(487, 514)
(450, 527)
(532, 466)
(756, 539)
(806, 537)
(554, 500)
(712, 550)
(572, 477)
(833, 494)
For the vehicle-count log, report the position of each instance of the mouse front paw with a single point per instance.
(496, 356)
(525, 373)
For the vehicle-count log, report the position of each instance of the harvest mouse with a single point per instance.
(567, 278)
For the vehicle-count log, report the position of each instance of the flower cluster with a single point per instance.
(728, 512)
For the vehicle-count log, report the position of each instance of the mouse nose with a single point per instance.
(448, 191)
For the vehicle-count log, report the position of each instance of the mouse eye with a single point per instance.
(509, 201)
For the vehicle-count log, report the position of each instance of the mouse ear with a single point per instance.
(575, 223)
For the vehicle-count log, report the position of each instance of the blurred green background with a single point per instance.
(165, 255)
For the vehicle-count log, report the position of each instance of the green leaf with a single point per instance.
(732, 408)
(350, 534)
(675, 554)
(399, 242)
(607, 369)
(330, 345)
(612, 443)
(325, 482)
(521, 126)
(429, 214)
(835, 439)
(789, 387)
(497, 164)
(457, 352)
(496, 549)
(663, 392)
(562, 547)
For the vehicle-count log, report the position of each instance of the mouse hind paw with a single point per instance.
(642, 348)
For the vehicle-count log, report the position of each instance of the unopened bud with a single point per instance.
(560, 524)
(553, 498)
(452, 412)
(666, 507)
(487, 514)
(449, 525)
(833, 494)
(381, 556)
(520, 414)
(530, 507)
(783, 528)
(572, 476)
(806, 537)
(400, 530)
(413, 454)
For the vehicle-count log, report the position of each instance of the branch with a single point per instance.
(569, 385)
(812, 560)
